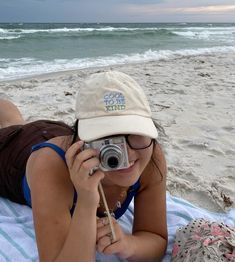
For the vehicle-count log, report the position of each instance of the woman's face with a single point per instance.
(138, 160)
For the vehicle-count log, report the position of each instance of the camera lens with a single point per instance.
(113, 162)
(111, 157)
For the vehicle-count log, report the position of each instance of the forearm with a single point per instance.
(147, 247)
(80, 242)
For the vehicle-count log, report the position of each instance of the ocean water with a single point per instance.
(32, 49)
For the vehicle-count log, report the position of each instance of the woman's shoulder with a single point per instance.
(47, 160)
(63, 142)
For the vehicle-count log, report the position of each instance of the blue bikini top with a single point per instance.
(132, 191)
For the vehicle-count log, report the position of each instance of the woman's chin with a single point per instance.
(124, 177)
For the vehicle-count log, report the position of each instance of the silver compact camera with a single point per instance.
(113, 152)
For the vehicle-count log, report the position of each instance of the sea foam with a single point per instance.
(24, 67)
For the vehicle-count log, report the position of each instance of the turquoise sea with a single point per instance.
(30, 49)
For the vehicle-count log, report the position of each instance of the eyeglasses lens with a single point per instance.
(138, 142)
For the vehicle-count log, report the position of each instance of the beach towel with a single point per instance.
(17, 236)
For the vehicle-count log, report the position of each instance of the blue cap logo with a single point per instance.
(114, 101)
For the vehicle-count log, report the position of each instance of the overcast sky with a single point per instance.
(117, 11)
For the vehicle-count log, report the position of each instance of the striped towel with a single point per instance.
(17, 237)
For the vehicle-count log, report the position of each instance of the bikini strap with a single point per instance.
(58, 150)
(132, 191)
(61, 153)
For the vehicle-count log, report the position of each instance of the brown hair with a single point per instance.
(75, 131)
(155, 164)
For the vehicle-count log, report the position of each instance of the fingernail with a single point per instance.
(80, 143)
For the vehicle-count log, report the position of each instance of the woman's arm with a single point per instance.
(60, 237)
(150, 225)
(80, 241)
(149, 239)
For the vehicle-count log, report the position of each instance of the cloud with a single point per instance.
(146, 2)
(111, 2)
(116, 10)
(208, 9)
(156, 9)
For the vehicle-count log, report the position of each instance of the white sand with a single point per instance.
(192, 98)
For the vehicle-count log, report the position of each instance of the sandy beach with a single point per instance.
(192, 100)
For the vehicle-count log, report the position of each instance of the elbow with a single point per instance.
(165, 244)
(163, 248)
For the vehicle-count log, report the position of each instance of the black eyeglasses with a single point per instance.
(138, 142)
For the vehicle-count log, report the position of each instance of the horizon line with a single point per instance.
(157, 22)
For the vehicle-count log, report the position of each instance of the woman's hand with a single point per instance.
(80, 163)
(121, 247)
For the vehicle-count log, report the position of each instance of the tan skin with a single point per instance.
(61, 237)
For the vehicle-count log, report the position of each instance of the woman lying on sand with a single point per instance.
(60, 172)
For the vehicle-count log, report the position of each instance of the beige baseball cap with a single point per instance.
(112, 103)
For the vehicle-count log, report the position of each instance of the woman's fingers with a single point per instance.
(104, 228)
(96, 177)
(102, 222)
(81, 164)
(77, 159)
(101, 232)
(86, 160)
(107, 245)
(72, 152)
(103, 243)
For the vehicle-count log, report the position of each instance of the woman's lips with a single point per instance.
(131, 163)
(129, 169)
